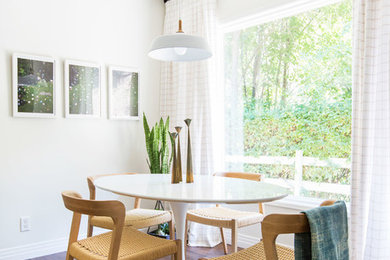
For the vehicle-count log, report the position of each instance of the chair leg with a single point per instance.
(234, 236)
(185, 238)
(90, 227)
(171, 226)
(68, 256)
(223, 241)
(90, 230)
(171, 234)
(178, 255)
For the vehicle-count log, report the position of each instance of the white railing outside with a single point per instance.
(299, 161)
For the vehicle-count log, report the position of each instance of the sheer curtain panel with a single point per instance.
(370, 207)
(187, 91)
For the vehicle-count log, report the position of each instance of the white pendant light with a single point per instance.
(179, 47)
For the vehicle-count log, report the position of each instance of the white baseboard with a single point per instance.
(245, 241)
(40, 248)
(34, 250)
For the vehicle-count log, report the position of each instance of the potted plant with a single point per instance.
(159, 159)
(157, 147)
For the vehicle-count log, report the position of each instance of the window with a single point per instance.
(288, 100)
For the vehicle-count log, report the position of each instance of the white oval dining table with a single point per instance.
(204, 189)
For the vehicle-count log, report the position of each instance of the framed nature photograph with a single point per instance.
(123, 93)
(33, 86)
(82, 89)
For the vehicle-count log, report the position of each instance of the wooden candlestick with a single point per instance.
(189, 172)
(178, 159)
(175, 178)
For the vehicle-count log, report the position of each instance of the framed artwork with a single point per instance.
(82, 89)
(33, 86)
(123, 93)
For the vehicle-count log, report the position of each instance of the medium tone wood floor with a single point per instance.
(193, 253)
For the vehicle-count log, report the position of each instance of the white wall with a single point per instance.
(39, 158)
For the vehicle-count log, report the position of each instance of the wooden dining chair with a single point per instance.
(137, 217)
(276, 224)
(124, 243)
(224, 217)
(272, 226)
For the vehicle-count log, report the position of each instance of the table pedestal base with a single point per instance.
(179, 210)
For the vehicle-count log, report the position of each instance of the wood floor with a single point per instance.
(193, 253)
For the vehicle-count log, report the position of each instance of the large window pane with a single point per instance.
(288, 100)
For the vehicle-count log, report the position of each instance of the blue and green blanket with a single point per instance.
(328, 237)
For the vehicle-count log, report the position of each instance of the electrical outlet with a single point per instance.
(25, 223)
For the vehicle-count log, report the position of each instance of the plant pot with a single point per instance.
(153, 233)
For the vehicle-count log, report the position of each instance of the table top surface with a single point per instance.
(206, 189)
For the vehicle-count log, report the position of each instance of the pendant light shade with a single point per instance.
(179, 47)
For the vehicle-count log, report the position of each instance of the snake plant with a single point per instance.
(157, 147)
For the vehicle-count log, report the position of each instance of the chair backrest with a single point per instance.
(92, 187)
(110, 208)
(242, 175)
(275, 224)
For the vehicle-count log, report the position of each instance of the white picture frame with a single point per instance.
(123, 93)
(82, 89)
(34, 88)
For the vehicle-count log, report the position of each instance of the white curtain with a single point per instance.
(370, 205)
(187, 92)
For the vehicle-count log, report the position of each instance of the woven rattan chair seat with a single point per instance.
(217, 215)
(256, 252)
(134, 245)
(137, 218)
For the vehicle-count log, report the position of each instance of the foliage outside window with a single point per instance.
(288, 97)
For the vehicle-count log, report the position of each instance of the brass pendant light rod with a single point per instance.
(180, 21)
(180, 27)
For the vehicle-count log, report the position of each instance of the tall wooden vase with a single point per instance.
(189, 172)
(178, 159)
(174, 178)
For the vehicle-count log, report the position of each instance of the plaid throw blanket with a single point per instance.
(328, 237)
